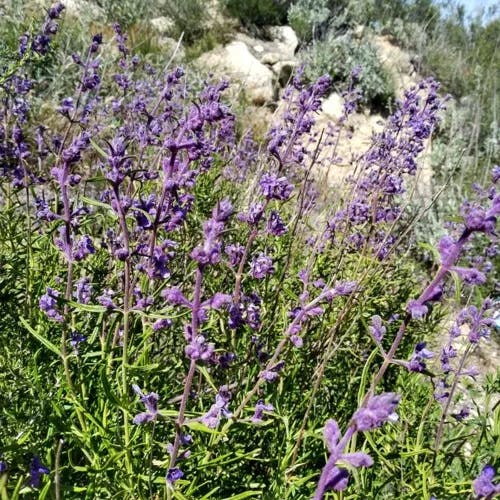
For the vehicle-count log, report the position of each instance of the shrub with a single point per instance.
(174, 324)
(189, 18)
(128, 12)
(258, 13)
(305, 17)
(339, 56)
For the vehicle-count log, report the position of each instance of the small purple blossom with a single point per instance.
(106, 299)
(150, 401)
(198, 348)
(274, 187)
(218, 410)
(416, 309)
(272, 374)
(37, 469)
(483, 485)
(76, 339)
(174, 474)
(275, 224)
(254, 214)
(338, 477)
(377, 328)
(261, 266)
(49, 304)
(260, 408)
(420, 354)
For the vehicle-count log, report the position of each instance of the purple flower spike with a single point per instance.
(3, 466)
(380, 409)
(174, 474)
(338, 477)
(150, 402)
(37, 469)
(483, 485)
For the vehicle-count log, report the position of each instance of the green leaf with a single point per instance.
(47, 343)
(198, 426)
(245, 494)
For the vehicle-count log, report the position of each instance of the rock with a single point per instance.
(333, 106)
(285, 38)
(237, 63)
(358, 31)
(270, 58)
(397, 62)
(163, 25)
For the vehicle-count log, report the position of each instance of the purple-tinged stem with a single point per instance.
(192, 368)
(429, 291)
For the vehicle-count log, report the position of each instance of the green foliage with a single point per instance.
(305, 17)
(189, 17)
(128, 12)
(80, 426)
(339, 56)
(258, 13)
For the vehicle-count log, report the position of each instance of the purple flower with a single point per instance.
(416, 309)
(495, 174)
(218, 410)
(84, 247)
(198, 348)
(470, 276)
(174, 474)
(420, 354)
(261, 266)
(275, 224)
(273, 373)
(3, 466)
(76, 339)
(483, 484)
(379, 409)
(161, 324)
(150, 401)
(37, 469)
(48, 304)
(377, 328)
(175, 297)
(234, 253)
(338, 477)
(254, 214)
(274, 187)
(260, 408)
(55, 10)
(66, 106)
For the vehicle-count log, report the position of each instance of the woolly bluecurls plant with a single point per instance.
(176, 327)
(479, 217)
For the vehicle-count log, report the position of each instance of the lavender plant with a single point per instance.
(175, 338)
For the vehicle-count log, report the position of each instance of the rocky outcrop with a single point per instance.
(236, 62)
(262, 67)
